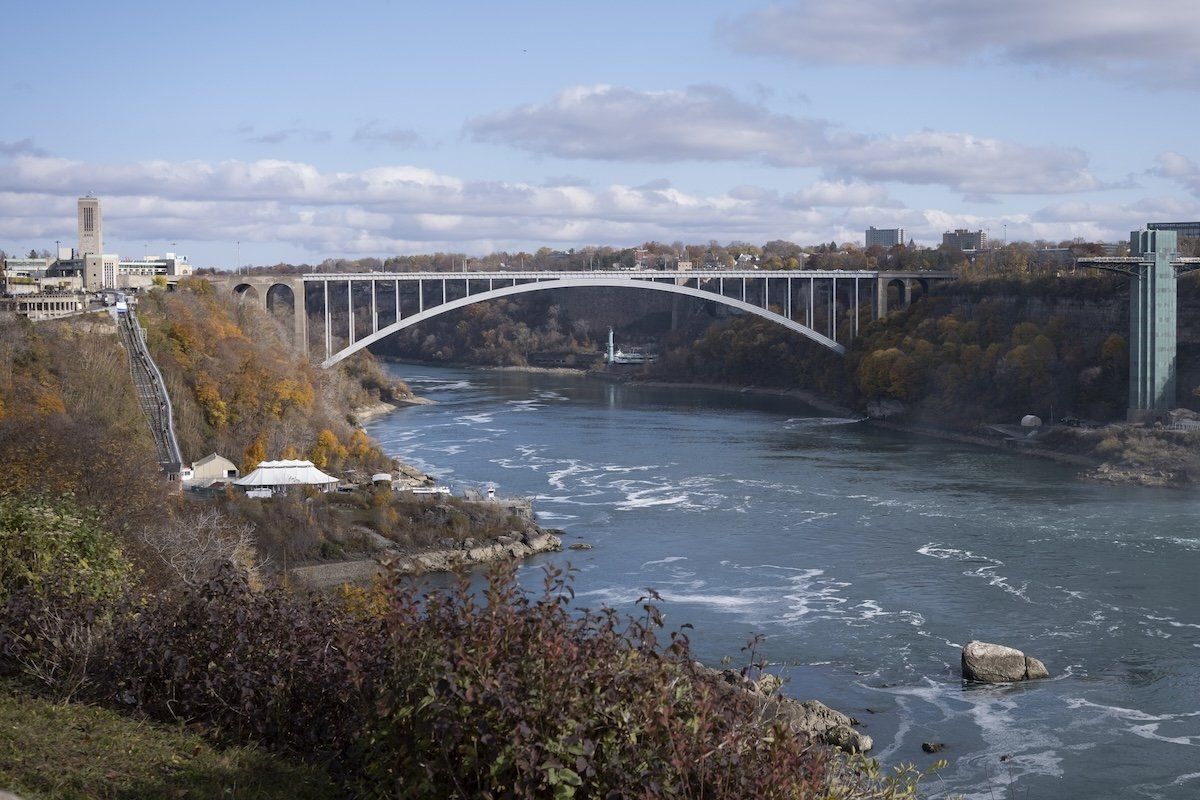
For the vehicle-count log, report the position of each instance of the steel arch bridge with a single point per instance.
(808, 302)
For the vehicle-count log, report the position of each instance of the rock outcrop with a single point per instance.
(994, 663)
(515, 545)
(811, 718)
(446, 557)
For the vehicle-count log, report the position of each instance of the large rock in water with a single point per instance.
(995, 663)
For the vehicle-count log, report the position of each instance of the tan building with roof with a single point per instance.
(210, 469)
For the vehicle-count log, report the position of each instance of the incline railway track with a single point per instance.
(151, 391)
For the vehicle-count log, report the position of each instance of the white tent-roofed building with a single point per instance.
(278, 476)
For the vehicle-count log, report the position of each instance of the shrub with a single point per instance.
(462, 691)
(507, 696)
(52, 541)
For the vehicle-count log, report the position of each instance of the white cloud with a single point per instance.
(842, 193)
(404, 208)
(709, 123)
(1110, 38)
(1180, 169)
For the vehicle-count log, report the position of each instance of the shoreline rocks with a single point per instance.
(983, 662)
(809, 718)
(364, 414)
(440, 559)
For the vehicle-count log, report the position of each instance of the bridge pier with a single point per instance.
(905, 287)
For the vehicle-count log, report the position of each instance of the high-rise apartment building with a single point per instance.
(884, 237)
(91, 229)
(963, 239)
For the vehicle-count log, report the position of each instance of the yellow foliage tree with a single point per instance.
(208, 394)
(254, 455)
(360, 444)
(328, 451)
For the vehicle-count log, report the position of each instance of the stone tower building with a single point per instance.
(91, 230)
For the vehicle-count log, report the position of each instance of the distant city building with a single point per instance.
(1055, 256)
(100, 271)
(89, 267)
(1182, 228)
(44, 305)
(111, 272)
(37, 275)
(884, 237)
(91, 227)
(169, 265)
(683, 265)
(26, 267)
(963, 239)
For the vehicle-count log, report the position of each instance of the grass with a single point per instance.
(66, 751)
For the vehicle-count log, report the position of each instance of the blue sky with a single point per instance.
(308, 130)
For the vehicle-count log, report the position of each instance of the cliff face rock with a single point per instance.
(994, 663)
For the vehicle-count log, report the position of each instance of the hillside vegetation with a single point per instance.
(966, 355)
(502, 332)
(70, 421)
(239, 389)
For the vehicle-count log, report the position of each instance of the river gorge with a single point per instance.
(866, 558)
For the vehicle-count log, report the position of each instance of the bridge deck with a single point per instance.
(646, 274)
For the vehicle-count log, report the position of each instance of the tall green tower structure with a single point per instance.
(1153, 267)
(1152, 300)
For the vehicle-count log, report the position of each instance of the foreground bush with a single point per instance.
(501, 696)
(44, 540)
(407, 692)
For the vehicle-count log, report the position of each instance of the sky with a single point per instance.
(261, 132)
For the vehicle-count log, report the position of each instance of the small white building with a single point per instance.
(279, 476)
(211, 469)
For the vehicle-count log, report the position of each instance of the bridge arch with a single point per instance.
(278, 293)
(274, 293)
(566, 283)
